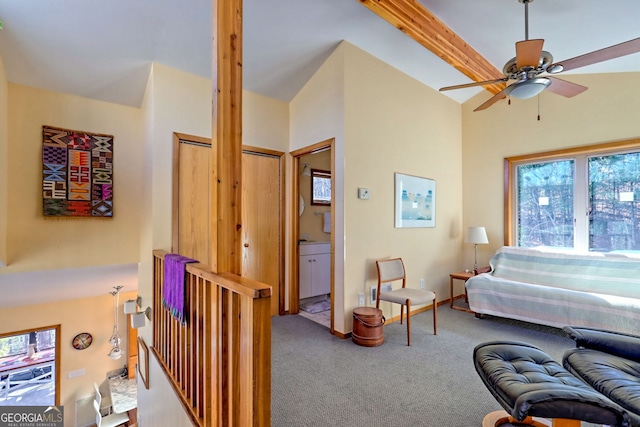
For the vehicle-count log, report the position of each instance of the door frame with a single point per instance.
(294, 288)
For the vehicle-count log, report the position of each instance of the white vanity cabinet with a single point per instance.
(314, 269)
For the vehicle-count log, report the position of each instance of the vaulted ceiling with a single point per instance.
(103, 50)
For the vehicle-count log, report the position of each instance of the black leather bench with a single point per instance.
(528, 383)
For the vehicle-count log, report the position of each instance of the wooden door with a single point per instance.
(261, 213)
(262, 209)
(192, 182)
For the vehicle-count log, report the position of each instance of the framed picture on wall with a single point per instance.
(143, 362)
(415, 201)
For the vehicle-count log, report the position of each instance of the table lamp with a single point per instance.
(477, 236)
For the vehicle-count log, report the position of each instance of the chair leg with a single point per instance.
(401, 313)
(408, 322)
(435, 317)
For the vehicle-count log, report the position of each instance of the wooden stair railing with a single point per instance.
(219, 362)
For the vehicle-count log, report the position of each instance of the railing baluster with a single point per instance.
(219, 362)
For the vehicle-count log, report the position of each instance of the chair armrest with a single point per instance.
(615, 343)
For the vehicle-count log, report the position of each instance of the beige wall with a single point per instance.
(265, 122)
(93, 315)
(317, 114)
(383, 122)
(607, 112)
(395, 124)
(4, 134)
(36, 243)
(175, 101)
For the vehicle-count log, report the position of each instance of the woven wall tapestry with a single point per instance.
(77, 173)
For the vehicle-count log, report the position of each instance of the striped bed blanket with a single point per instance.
(560, 288)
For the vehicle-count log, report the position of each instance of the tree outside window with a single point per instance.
(585, 202)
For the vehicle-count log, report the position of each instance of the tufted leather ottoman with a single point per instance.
(528, 383)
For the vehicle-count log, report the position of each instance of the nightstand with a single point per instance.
(461, 275)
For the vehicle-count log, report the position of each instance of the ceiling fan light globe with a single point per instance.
(528, 88)
(115, 353)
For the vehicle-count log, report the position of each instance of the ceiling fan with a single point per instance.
(531, 62)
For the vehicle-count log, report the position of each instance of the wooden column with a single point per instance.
(226, 134)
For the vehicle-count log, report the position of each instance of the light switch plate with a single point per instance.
(363, 193)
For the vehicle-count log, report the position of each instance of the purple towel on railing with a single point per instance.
(174, 285)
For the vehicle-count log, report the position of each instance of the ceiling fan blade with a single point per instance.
(565, 88)
(528, 53)
(611, 52)
(495, 98)
(487, 82)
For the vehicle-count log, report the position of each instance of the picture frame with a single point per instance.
(415, 201)
(143, 362)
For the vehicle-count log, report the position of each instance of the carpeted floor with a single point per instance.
(321, 380)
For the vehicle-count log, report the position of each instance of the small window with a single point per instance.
(320, 187)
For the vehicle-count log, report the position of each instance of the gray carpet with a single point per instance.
(321, 380)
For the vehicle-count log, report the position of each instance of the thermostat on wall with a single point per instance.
(363, 193)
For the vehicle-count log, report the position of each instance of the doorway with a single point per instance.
(312, 261)
(29, 367)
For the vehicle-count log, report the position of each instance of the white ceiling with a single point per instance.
(39, 287)
(103, 50)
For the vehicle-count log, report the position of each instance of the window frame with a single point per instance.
(320, 174)
(511, 163)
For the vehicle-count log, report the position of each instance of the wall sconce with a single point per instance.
(137, 317)
(306, 170)
(131, 306)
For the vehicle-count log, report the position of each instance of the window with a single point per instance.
(545, 204)
(29, 367)
(320, 187)
(584, 199)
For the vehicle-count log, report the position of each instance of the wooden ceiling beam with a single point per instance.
(410, 17)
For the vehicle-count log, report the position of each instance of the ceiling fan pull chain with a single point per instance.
(538, 107)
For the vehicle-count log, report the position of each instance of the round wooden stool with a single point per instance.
(502, 418)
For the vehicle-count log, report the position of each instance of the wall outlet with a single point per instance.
(361, 298)
(421, 283)
(74, 374)
(372, 294)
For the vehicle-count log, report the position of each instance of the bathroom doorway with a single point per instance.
(312, 259)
